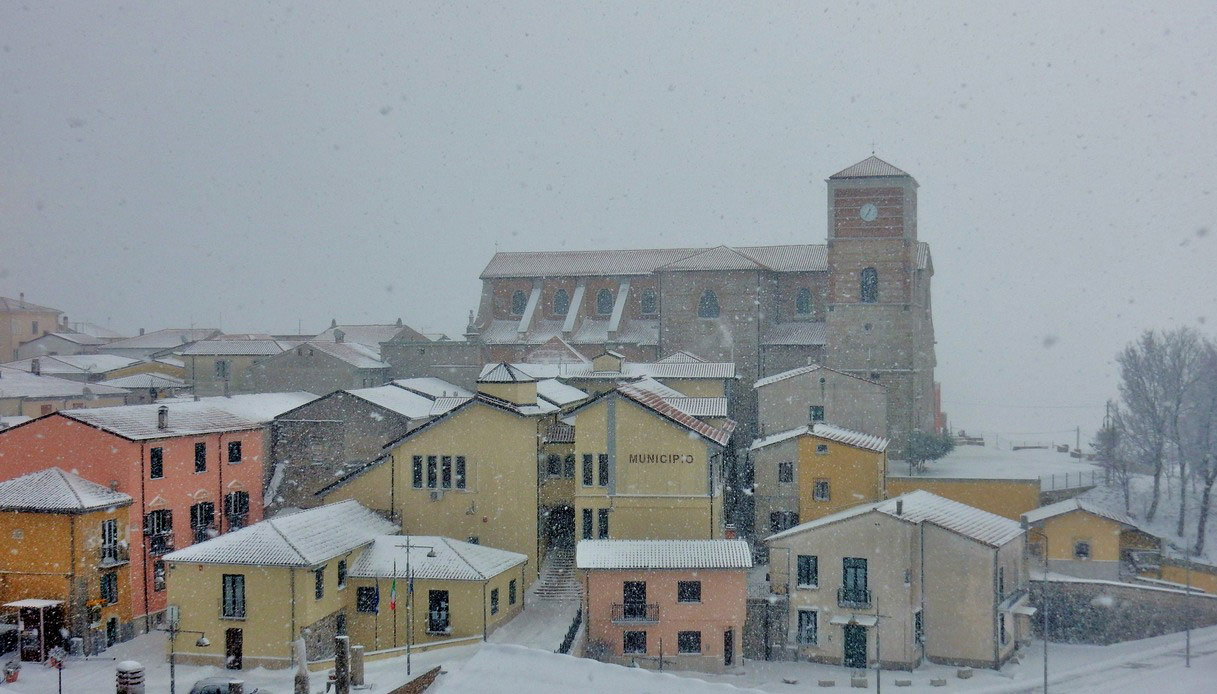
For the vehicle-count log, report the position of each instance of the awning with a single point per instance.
(866, 620)
(1024, 609)
(33, 602)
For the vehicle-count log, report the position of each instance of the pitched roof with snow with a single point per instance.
(355, 354)
(1060, 508)
(166, 338)
(684, 370)
(55, 491)
(824, 430)
(923, 507)
(145, 380)
(681, 357)
(8, 305)
(504, 373)
(661, 407)
(74, 363)
(139, 422)
(717, 258)
(559, 393)
(453, 561)
(230, 346)
(373, 334)
(700, 407)
(259, 407)
(399, 400)
(433, 387)
(17, 383)
(870, 167)
(805, 370)
(77, 338)
(302, 539)
(663, 554)
(796, 333)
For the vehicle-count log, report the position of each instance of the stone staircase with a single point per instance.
(557, 581)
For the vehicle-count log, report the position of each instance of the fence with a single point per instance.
(570, 633)
(1069, 480)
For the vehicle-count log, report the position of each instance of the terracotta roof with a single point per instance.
(660, 406)
(54, 490)
(663, 554)
(870, 167)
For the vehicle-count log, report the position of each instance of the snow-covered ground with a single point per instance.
(999, 463)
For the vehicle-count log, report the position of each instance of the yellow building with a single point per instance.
(646, 469)
(21, 321)
(254, 591)
(1007, 497)
(815, 470)
(65, 541)
(471, 473)
(1086, 540)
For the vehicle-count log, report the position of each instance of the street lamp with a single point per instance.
(409, 595)
(1187, 568)
(1043, 595)
(173, 631)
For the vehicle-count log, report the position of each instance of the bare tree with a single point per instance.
(1198, 433)
(1112, 456)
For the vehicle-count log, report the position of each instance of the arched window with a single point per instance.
(561, 302)
(604, 302)
(708, 306)
(869, 278)
(649, 304)
(802, 301)
(519, 301)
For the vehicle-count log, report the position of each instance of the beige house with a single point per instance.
(921, 576)
(21, 321)
(320, 367)
(222, 365)
(816, 393)
(25, 394)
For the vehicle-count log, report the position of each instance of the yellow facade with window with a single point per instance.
(833, 476)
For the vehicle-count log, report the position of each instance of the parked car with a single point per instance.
(216, 685)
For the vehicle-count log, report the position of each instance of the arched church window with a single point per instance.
(869, 279)
(604, 302)
(649, 303)
(561, 302)
(519, 301)
(708, 306)
(802, 301)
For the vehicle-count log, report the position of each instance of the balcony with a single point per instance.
(160, 544)
(635, 613)
(113, 555)
(853, 597)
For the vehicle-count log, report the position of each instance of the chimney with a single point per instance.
(333, 322)
(339, 336)
(36, 366)
(141, 331)
(113, 485)
(21, 298)
(162, 417)
(899, 507)
(399, 324)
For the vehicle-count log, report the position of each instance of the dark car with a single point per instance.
(216, 685)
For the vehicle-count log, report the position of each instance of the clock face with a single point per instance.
(868, 212)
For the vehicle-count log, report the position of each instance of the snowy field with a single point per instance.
(989, 462)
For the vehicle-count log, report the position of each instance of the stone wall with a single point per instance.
(1105, 612)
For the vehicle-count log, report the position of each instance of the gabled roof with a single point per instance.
(1060, 508)
(681, 357)
(399, 400)
(55, 491)
(870, 167)
(18, 383)
(828, 431)
(433, 387)
(559, 393)
(373, 334)
(355, 354)
(75, 338)
(225, 346)
(806, 370)
(74, 363)
(139, 422)
(96, 330)
(166, 338)
(661, 407)
(923, 507)
(663, 554)
(8, 305)
(302, 539)
(717, 258)
(453, 561)
(504, 373)
(145, 380)
(700, 407)
(555, 350)
(260, 408)
(629, 370)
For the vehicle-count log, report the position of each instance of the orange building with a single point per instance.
(679, 602)
(193, 471)
(66, 551)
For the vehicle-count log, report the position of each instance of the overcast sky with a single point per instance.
(260, 168)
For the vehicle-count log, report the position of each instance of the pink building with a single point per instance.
(193, 470)
(682, 602)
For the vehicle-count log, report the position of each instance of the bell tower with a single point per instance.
(879, 323)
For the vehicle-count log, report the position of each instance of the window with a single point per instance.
(568, 467)
(158, 528)
(473, 540)
(234, 451)
(511, 592)
(802, 301)
(809, 571)
(156, 463)
(417, 473)
(342, 573)
(222, 369)
(561, 302)
(821, 449)
(649, 304)
(635, 642)
(460, 472)
(553, 466)
(808, 627)
(233, 602)
(707, 307)
(109, 587)
(437, 612)
(820, 491)
(785, 472)
(367, 600)
(494, 601)
(446, 470)
(603, 518)
(202, 520)
(158, 575)
(781, 520)
(688, 591)
(918, 627)
(815, 413)
(604, 470)
(34, 327)
(44, 409)
(319, 583)
(109, 541)
(869, 280)
(853, 588)
(688, 642)
(604, 302)
(431, 471)
(1001, 620)
(587, 469)
(236, 509)
(340, 623)
(1081, 549)
(519, 301)
(587, 524)
(200, 457)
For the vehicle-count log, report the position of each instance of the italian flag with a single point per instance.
(393, 595)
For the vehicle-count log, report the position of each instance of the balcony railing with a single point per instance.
(635, 613)
(853, 597)
(160, 544)
(113, 555)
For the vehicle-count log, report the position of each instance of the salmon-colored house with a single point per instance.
(679, 602)
(193, 471)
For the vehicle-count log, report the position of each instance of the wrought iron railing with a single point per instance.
(569, 639)
(111, 555)
(853, 597)
(635, 612)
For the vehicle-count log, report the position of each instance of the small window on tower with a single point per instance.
(869, 279)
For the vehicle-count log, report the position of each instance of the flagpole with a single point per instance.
(409, 606)
(393, 601)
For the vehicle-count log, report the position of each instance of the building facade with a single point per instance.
(815, 393)
(22, 321)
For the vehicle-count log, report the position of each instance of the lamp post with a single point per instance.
(1187, 624)
(173, 631)
(1043, 596)
(410, 594)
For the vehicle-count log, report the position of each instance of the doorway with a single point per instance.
(562, 528)
(728, 647)
(111, 631)
(634, 595)
(855, 646)
(233, 645)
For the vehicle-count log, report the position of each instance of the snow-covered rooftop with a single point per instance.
(923, 507)
(145, 380)
(504, 373)
(396, 399)
(433, 387)
(259, 407)
(371, 334)
(55, 490)
(681, 357)
(74, 363)
(987, 462)
(137, 422)
(1060, 508)
(663, 554)
(700, 407)
(828, 431)
(229, 346)
(166, 338)
(302, 539)
(660, 406)
(16, 383)
(454, 560)
(358, 355)
(689, 370)
(559, 393)
(810, 368)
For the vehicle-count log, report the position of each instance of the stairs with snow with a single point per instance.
(557, 580)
